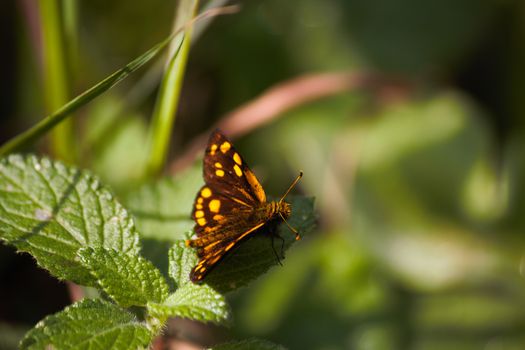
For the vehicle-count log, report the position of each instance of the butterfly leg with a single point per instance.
(282, 246)
(282, 249)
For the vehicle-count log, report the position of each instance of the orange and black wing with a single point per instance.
(227, 173)
(213, 247)
(224, 206)
(230, 184)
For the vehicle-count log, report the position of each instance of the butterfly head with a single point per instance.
(283, 209)
(279, 209)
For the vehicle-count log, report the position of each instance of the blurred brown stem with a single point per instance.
(281, 98)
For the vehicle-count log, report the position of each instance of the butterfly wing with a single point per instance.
(224, 207)
(229, 184)
(212, 248)
(225, 170)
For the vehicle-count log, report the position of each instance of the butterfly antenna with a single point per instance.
(297, 236)
(292, 186)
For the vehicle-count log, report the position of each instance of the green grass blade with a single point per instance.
(55, 82)
(29, 136)
(168, 99)
(70, 10)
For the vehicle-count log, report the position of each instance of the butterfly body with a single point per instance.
(230, 207)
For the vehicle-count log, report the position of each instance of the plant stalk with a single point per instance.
(169, 95)
(55, 82)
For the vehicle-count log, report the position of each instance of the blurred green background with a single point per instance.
(419, 187)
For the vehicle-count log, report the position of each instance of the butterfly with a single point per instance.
(231, 206)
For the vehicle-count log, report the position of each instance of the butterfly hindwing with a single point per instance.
(212, 253)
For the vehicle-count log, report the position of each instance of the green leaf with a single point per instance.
(255, 256)
(51, 210)
(196, 302)
(252, 344)
(162, 210)
(181, 261)
(127, 279)
(89, 324)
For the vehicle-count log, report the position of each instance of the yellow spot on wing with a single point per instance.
(199, 214)
(201, 221)
(238, 170)
(225, 147)
(198, 206)
(237, 158)
(218, 165)
(218, 217)
(219, 172)
(213, 149)
(215, 205)
(199, 200)
(206, 192)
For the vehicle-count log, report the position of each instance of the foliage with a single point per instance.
(77, 230)
(89, 324)
(51, 210)
(417, 168)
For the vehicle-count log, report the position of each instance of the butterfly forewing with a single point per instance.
(227, 172)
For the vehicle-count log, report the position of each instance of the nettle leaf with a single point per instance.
(130, 280)
(51, 210)
(255, 256)
(181, 260)
(89, 324)
(195, 302)
(252, 344)
(162, 209)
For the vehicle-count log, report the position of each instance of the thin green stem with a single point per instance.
(169, 95)
(70, 15)
(55, 83)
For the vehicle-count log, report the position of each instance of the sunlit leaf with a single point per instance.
(128, 279)
(51, 210)
(90, 325)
